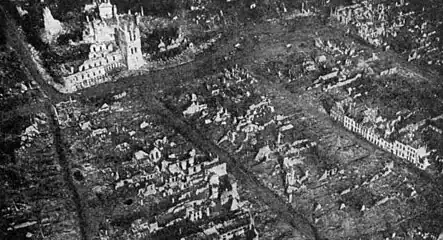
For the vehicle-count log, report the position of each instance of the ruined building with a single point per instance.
(128, 39)
(114, 44)
(110, 43)
(98, 31)
(53, 27)
(104, 8)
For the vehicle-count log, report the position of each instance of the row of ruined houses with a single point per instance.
(415, 155)
(192, 188)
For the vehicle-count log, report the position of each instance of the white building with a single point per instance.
(128, 39)
(102, 59)
(53, 27)
(399, 149)
(114, 45)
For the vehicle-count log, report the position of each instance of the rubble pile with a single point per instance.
(418, 31)
(352, 197)
(341, 64)
(221, 102)
(347, 63)
(398, 24)
(217, 97)
(47, 214)
(368, 20)
(15, 88)
(184, 194)
(35, 200)
(204, 15)
(159, 184)
(185, 56)
(252, 129)
(53, 27)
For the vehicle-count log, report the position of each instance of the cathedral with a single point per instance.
(115, 45)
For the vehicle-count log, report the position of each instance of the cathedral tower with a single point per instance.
(105, 9)
(128, 38)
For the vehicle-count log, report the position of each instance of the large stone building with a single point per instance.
(128, 39)
(102, 59)
(115, 44)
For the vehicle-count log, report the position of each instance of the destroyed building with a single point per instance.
(370, 125)
(104, 8)
(114, 45)
(52, 26)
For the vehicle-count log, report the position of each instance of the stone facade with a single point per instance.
(369, 20)
(114, 45)
(105, 9)
(397, 148)
(98, 31)
(128, 39)
(102, 60)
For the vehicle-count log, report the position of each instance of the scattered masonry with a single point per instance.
(195, 191)
(189, 194)
(374, 24)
